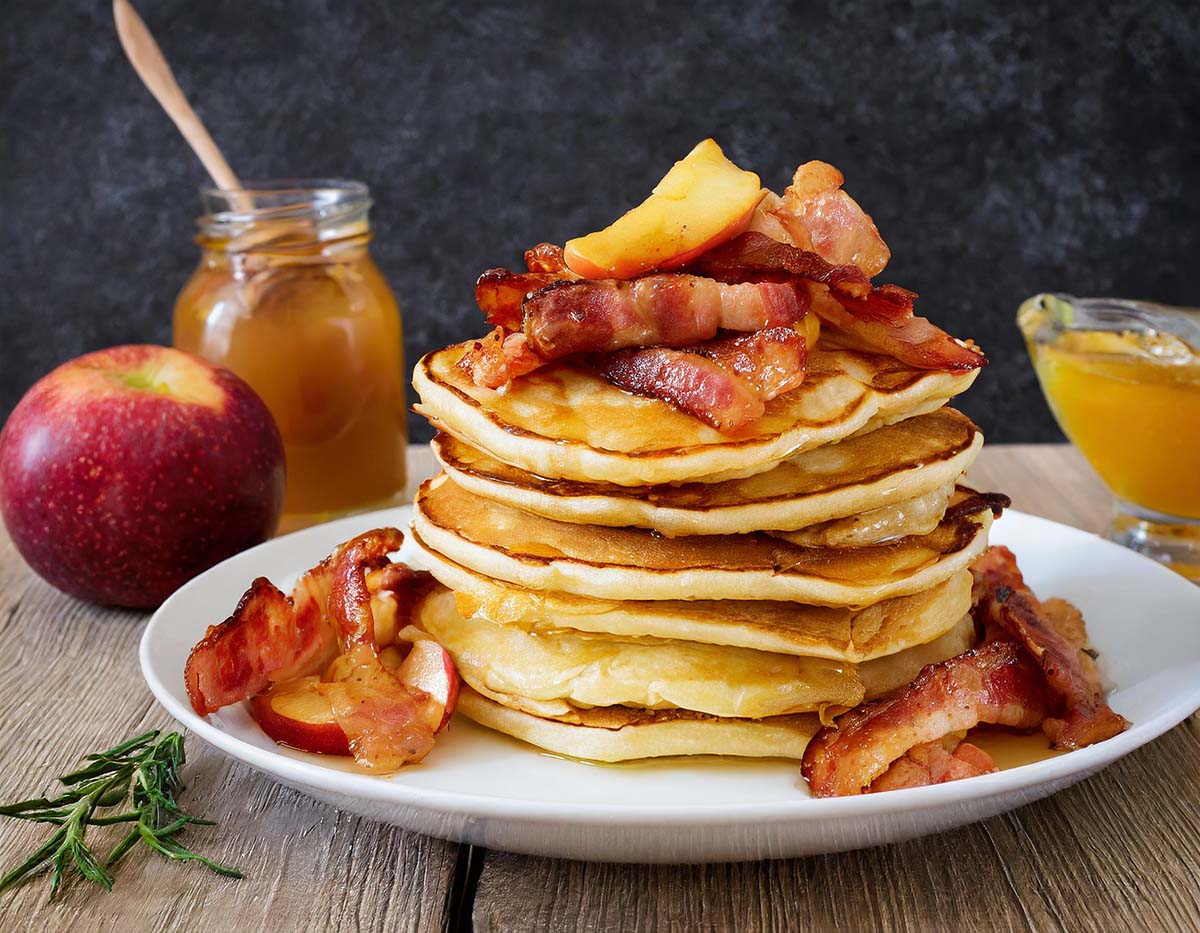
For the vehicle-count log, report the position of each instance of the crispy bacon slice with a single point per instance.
(669, 309)
(268, 639)
(271, 639)
(879, 318)
(382, 718)
(754, 256)
(1079, 715)
(770, 361)
(349, 597)
(935, 763)
(913, 340)
(499, 358)
(819, 216)
(500, 294)
(997, 683)
(688, 381)
(725, 383)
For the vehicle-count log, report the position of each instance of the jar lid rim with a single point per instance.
(276, 199)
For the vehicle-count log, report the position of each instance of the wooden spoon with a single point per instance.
(147, 60)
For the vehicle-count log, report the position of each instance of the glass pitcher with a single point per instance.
(1123, 380)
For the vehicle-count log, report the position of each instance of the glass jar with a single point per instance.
(1123, 381)
(287, 296)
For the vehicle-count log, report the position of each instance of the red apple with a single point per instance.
(126, 472)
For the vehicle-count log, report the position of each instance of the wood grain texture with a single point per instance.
(1121, 850)
(69, 685)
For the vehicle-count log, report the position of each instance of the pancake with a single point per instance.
(632, 563)
(555, 673)
(629, 734)
(893, 464)
(918, 516)
(582, 669)
(782, 627)
(564, 421)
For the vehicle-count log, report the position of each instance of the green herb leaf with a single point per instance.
(143, 770)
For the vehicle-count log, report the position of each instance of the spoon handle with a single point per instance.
(147, 60)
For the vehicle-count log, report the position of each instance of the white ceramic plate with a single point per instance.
(480, 787)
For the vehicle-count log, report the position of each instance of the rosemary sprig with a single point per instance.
(146, 771)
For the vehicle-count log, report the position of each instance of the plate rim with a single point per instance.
(379, 789)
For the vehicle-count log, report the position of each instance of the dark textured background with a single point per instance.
(1002, 149)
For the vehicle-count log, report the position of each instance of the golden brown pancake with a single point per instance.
(556, 673)
(564, 421)
(916, 516)
(885, 467)
(838, 633)
(632, 563)
(627, 734)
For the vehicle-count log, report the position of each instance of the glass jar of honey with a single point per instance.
(287, 296)
(1123, 381)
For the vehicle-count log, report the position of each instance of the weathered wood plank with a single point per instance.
(70, 684)
(1120, 851)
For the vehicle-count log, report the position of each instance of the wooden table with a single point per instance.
(1119, 851)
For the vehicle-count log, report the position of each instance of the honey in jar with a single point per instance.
(1123, 381)
(286, 295)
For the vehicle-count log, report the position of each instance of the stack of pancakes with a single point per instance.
(622, 581)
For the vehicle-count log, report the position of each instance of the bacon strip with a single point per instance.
(268, 639)
(912, 340)
(879, 317)
(382, 718)
(998, 683)
(725, 383)
(821, 217)
(500, 294)
(380, 715)
(349, 597)
(754, 256)
(935, 763)
(669, 309)
(499, 358)
(1005, 605)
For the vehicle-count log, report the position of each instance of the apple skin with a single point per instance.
(274, 711)
(430, 668)
(126, 472)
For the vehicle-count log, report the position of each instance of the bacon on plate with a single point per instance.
(268, 639)
(997, 683)
(329, 625)
(1053, 634)
(935, 763)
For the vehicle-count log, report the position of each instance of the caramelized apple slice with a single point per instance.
(700, 203)
(295, 714)
(429, 667)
